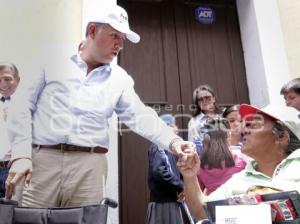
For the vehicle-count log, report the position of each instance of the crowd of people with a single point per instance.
(62, 124)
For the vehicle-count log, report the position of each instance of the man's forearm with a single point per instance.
(194, 197)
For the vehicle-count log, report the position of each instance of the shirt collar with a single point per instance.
(294, 155)
(82, 64)
(250, 168)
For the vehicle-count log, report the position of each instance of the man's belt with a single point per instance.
(72, 148)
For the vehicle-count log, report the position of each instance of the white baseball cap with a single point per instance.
(116, 17)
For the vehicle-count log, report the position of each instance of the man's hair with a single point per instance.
(294, 142)
(216, 153)
(10, 67)
(98, 25)
(293, 85)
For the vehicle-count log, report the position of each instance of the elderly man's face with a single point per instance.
(8, 82)
(258, 137)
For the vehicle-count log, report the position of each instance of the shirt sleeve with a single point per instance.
(234, 186)
(142, 119)
(19, 119)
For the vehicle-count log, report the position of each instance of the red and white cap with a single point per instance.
(286, 115)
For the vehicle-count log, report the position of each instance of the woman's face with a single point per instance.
(234, 119)
(206, 101)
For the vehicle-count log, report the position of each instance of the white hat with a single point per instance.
(117, 17)
(286, 115)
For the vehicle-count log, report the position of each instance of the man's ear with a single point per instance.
(284, 137)
(92, 29)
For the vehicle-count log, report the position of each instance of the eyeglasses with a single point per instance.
(205, 98)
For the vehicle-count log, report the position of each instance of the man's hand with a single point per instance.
(188, 160)
(184, 151)
(189, 168)
(20, 168)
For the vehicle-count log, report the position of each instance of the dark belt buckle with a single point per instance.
(63, 147)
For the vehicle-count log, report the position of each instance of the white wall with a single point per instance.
(290, 22)
(28, 26)
(264, 51)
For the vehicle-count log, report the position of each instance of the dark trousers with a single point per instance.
(3, 176)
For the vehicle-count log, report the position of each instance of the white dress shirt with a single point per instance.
(70, 106)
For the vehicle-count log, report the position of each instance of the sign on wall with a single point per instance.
(205, 15)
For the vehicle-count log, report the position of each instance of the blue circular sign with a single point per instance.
(205, 15)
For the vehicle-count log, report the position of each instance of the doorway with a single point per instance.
(176, 54)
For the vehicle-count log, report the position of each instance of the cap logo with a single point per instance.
(123, 18)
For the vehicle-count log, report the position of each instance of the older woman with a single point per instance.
(275, 147)
(204, 101)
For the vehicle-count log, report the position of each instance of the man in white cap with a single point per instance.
(60, 137)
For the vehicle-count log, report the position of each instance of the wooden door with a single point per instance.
(175, 55)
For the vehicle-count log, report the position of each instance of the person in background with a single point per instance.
(291, 93)
(273, 143)
(166, 204)
(217, 162)
(60, 133)
(233, 116)
(9, 81)
(204, 101)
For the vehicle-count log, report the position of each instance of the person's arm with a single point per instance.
(144, 121)
(19, 119)
(19, 126)
(201, 184)
(193, 195)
